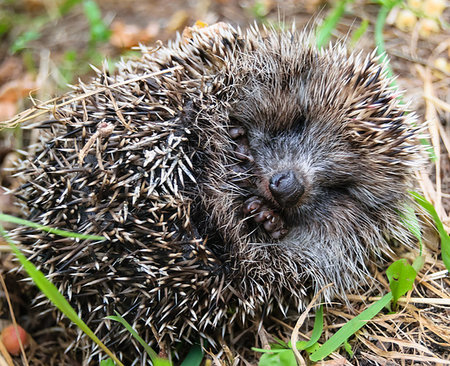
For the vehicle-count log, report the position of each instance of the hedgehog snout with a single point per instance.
(286, 188)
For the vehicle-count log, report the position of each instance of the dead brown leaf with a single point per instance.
(12, 92)
(336, 362)
(11, 68)
(130, 35)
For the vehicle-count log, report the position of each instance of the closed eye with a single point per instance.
(299, 125)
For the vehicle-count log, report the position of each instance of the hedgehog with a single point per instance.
(233, 173)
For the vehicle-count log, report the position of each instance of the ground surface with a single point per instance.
(46, 44)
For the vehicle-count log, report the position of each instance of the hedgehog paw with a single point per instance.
(242, 148)
(268, 218)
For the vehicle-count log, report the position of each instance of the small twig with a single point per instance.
(104, 130)
(379, 40)
(440, 103)
(7, 360)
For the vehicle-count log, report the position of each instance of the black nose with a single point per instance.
(286, 188)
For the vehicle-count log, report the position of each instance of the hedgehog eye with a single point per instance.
(234, 121)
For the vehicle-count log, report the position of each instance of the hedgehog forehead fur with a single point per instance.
(228, 170)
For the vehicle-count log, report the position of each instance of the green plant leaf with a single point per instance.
(271, 350)
(348, 349)
(284, 358)
(22, 41)
(6, 22)
(156, 360)
(280, 347)
(99, 31)
(418, 263)
(194, 357)
(52, 293)
(445, 239)
(401, 276)
(313, 348)
(68, 65)
(282, 352)
(67, 234)
(315, 335)
(259, 10)
(67, 5)
(280, 344)
(107, 362)
(350, 328)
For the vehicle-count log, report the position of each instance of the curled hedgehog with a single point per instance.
(232, 173)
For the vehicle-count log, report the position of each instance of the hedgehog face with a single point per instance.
(296, 168)
(301, 167)
(298, 150)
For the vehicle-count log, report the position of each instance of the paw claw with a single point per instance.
(279, 234)
(236, 132)
(269, 226)
(252, 205)
(262, 214)
(242, 149)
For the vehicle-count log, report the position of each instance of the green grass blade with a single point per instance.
(409, 219)
(359, 32)
(311, 345)
(350, 328)
(272, 350)
(67, 5)
(67, 234)
(418, 263)
(52, 293)
(194, 357)
(348, 349)
(445, 239)
(379, 39)
(99, 31)
(22, 41)
(317, 329)
(329, 24)
(156, 360)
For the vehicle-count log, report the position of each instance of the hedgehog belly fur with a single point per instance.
(231, 172)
